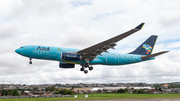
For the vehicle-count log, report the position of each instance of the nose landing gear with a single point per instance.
(30, 62)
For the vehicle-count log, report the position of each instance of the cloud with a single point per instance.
(81, 24)
(8, 30)
(169, 15)
(38, 8)
(79, 37)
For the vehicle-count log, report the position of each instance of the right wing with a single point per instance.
(93, 51)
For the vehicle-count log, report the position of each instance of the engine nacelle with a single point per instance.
(66, 65)
(70, 57)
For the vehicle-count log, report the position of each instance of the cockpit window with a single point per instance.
(21, 47)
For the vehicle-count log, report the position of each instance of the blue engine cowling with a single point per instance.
(70, 57)
(66, 65)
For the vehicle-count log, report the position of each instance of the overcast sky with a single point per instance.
(83, 23)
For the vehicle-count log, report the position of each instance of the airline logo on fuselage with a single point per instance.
(43, 48)
(147, 47)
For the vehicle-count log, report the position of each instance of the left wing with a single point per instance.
(93, 51)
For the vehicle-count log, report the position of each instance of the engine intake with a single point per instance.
(70, 57)
(66, 65)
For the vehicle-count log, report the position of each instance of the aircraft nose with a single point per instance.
(19, 51)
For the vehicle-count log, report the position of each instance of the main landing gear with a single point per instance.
(86, 66)
(30, 62)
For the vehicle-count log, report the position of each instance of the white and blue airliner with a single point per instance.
(94, 55)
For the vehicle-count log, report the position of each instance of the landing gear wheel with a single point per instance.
(86, 65)
(82, 69)
(91, 68)
(30, 62)
(85, 71)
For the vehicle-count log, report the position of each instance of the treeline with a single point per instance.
(63, 92)
(18, 92)
(46, 89)
(56, 90)
(140, 91)
(59, 91)
(13, 92)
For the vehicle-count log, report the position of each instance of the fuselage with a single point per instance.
(55, 53)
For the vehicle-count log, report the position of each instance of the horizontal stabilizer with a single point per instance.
(153, 55)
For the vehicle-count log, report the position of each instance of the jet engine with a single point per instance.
(70, 57)
(66, 65)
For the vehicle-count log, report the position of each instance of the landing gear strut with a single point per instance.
(30, 62)
(87, 65)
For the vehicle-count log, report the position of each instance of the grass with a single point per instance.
(100, 97)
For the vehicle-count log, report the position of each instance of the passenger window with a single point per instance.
(21, 47)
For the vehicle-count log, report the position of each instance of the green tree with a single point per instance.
(68, 92)
(6, 93)
(140, 91)
(35, 89)
(126, 90)
(157, 86)
(15, 92)
(9, 92)
(160, 89)
(3, 92)
(56, 92)
(62, 91)
(121, 91)
(22, 92)
(50, 88)
(135, 92)
(72, 88)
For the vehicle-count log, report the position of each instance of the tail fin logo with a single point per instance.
(147, 47)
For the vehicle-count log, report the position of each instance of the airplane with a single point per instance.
(94, 55)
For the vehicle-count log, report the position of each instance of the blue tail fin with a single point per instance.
(146, 47)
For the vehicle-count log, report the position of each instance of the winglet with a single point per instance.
(139, 26)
